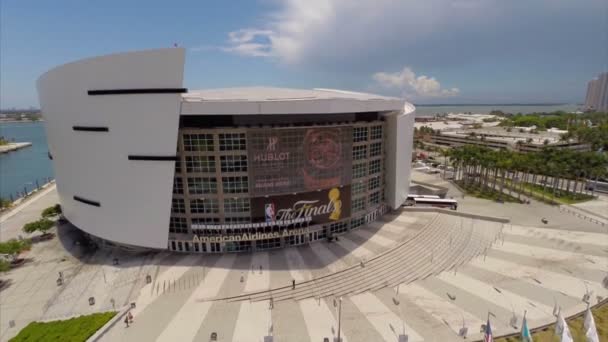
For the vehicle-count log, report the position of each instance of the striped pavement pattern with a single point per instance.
(433, 309)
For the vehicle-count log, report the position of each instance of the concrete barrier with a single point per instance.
(111, 323)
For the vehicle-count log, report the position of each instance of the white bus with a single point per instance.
(411, 197)
(431, 201)
(598, 186)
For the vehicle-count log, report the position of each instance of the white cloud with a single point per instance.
(478, 41)
(250, 42)
(299, 31)
(408, 83)
(342, 33)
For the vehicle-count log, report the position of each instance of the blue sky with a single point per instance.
(431, 51)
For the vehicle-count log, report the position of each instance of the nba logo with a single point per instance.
(269, 212)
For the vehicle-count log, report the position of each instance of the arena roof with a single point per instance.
(270, 100)
(278, 94)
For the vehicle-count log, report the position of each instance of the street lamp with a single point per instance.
(270, 336)
(340, 319)
(403, 336)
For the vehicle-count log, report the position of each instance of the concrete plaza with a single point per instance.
(451, 270)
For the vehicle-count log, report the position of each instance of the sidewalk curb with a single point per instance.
(111, 323)
(25, 202)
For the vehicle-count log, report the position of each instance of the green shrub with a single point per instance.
(51, 211)
(42, 225)
(5, 266)
(13, 247)
(4, 203)
(77, 329)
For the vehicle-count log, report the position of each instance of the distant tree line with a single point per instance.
(494, 169)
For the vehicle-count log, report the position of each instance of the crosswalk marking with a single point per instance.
(188, 319)
(320, 321)
(258, 279)
(505, 299)
(386, 323)
(253, 322)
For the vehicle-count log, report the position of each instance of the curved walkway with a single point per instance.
(445, 243)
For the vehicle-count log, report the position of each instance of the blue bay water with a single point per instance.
(430, 110)
(21, 169)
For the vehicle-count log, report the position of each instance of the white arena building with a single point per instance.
(140, 161)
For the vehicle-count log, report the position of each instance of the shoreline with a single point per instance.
(10, 147)
(20, 121)
(6, 212)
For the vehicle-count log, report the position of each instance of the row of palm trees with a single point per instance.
(556, 169)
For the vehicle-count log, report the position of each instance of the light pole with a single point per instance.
(339, 318)
(402, 337)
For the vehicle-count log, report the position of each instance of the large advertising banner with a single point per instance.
(288, 160)
(316, 207)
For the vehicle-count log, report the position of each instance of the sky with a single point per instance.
(427, 51)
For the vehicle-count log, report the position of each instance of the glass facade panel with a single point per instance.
(204, 206)
(359, 170)
(178, 225)
(376, 133)
(236, 205)
(234, 163)
(359, 152)
(359, 134)
(178, 206)
(195, 164)
(178, 186)
(358, 204)
(358, 188)
(235, 185)
(375, 166)
(198, 142)
(233, 142)
(374, 183)
(202, 185)
(375, 149)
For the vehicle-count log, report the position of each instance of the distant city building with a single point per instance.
(597, 94)
(141, 161)
(498, 139)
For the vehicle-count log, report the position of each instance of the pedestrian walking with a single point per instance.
(127, 320)
(130, 316)
(293, 284)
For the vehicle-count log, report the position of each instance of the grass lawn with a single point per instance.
(600, 314)
(485, 193)
(77, 329)
(561, 196)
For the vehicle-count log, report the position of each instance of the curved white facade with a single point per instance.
(100, 111)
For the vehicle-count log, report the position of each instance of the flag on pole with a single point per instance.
(487, 335)
(589, 327)
(525, 332)
(561, 329)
